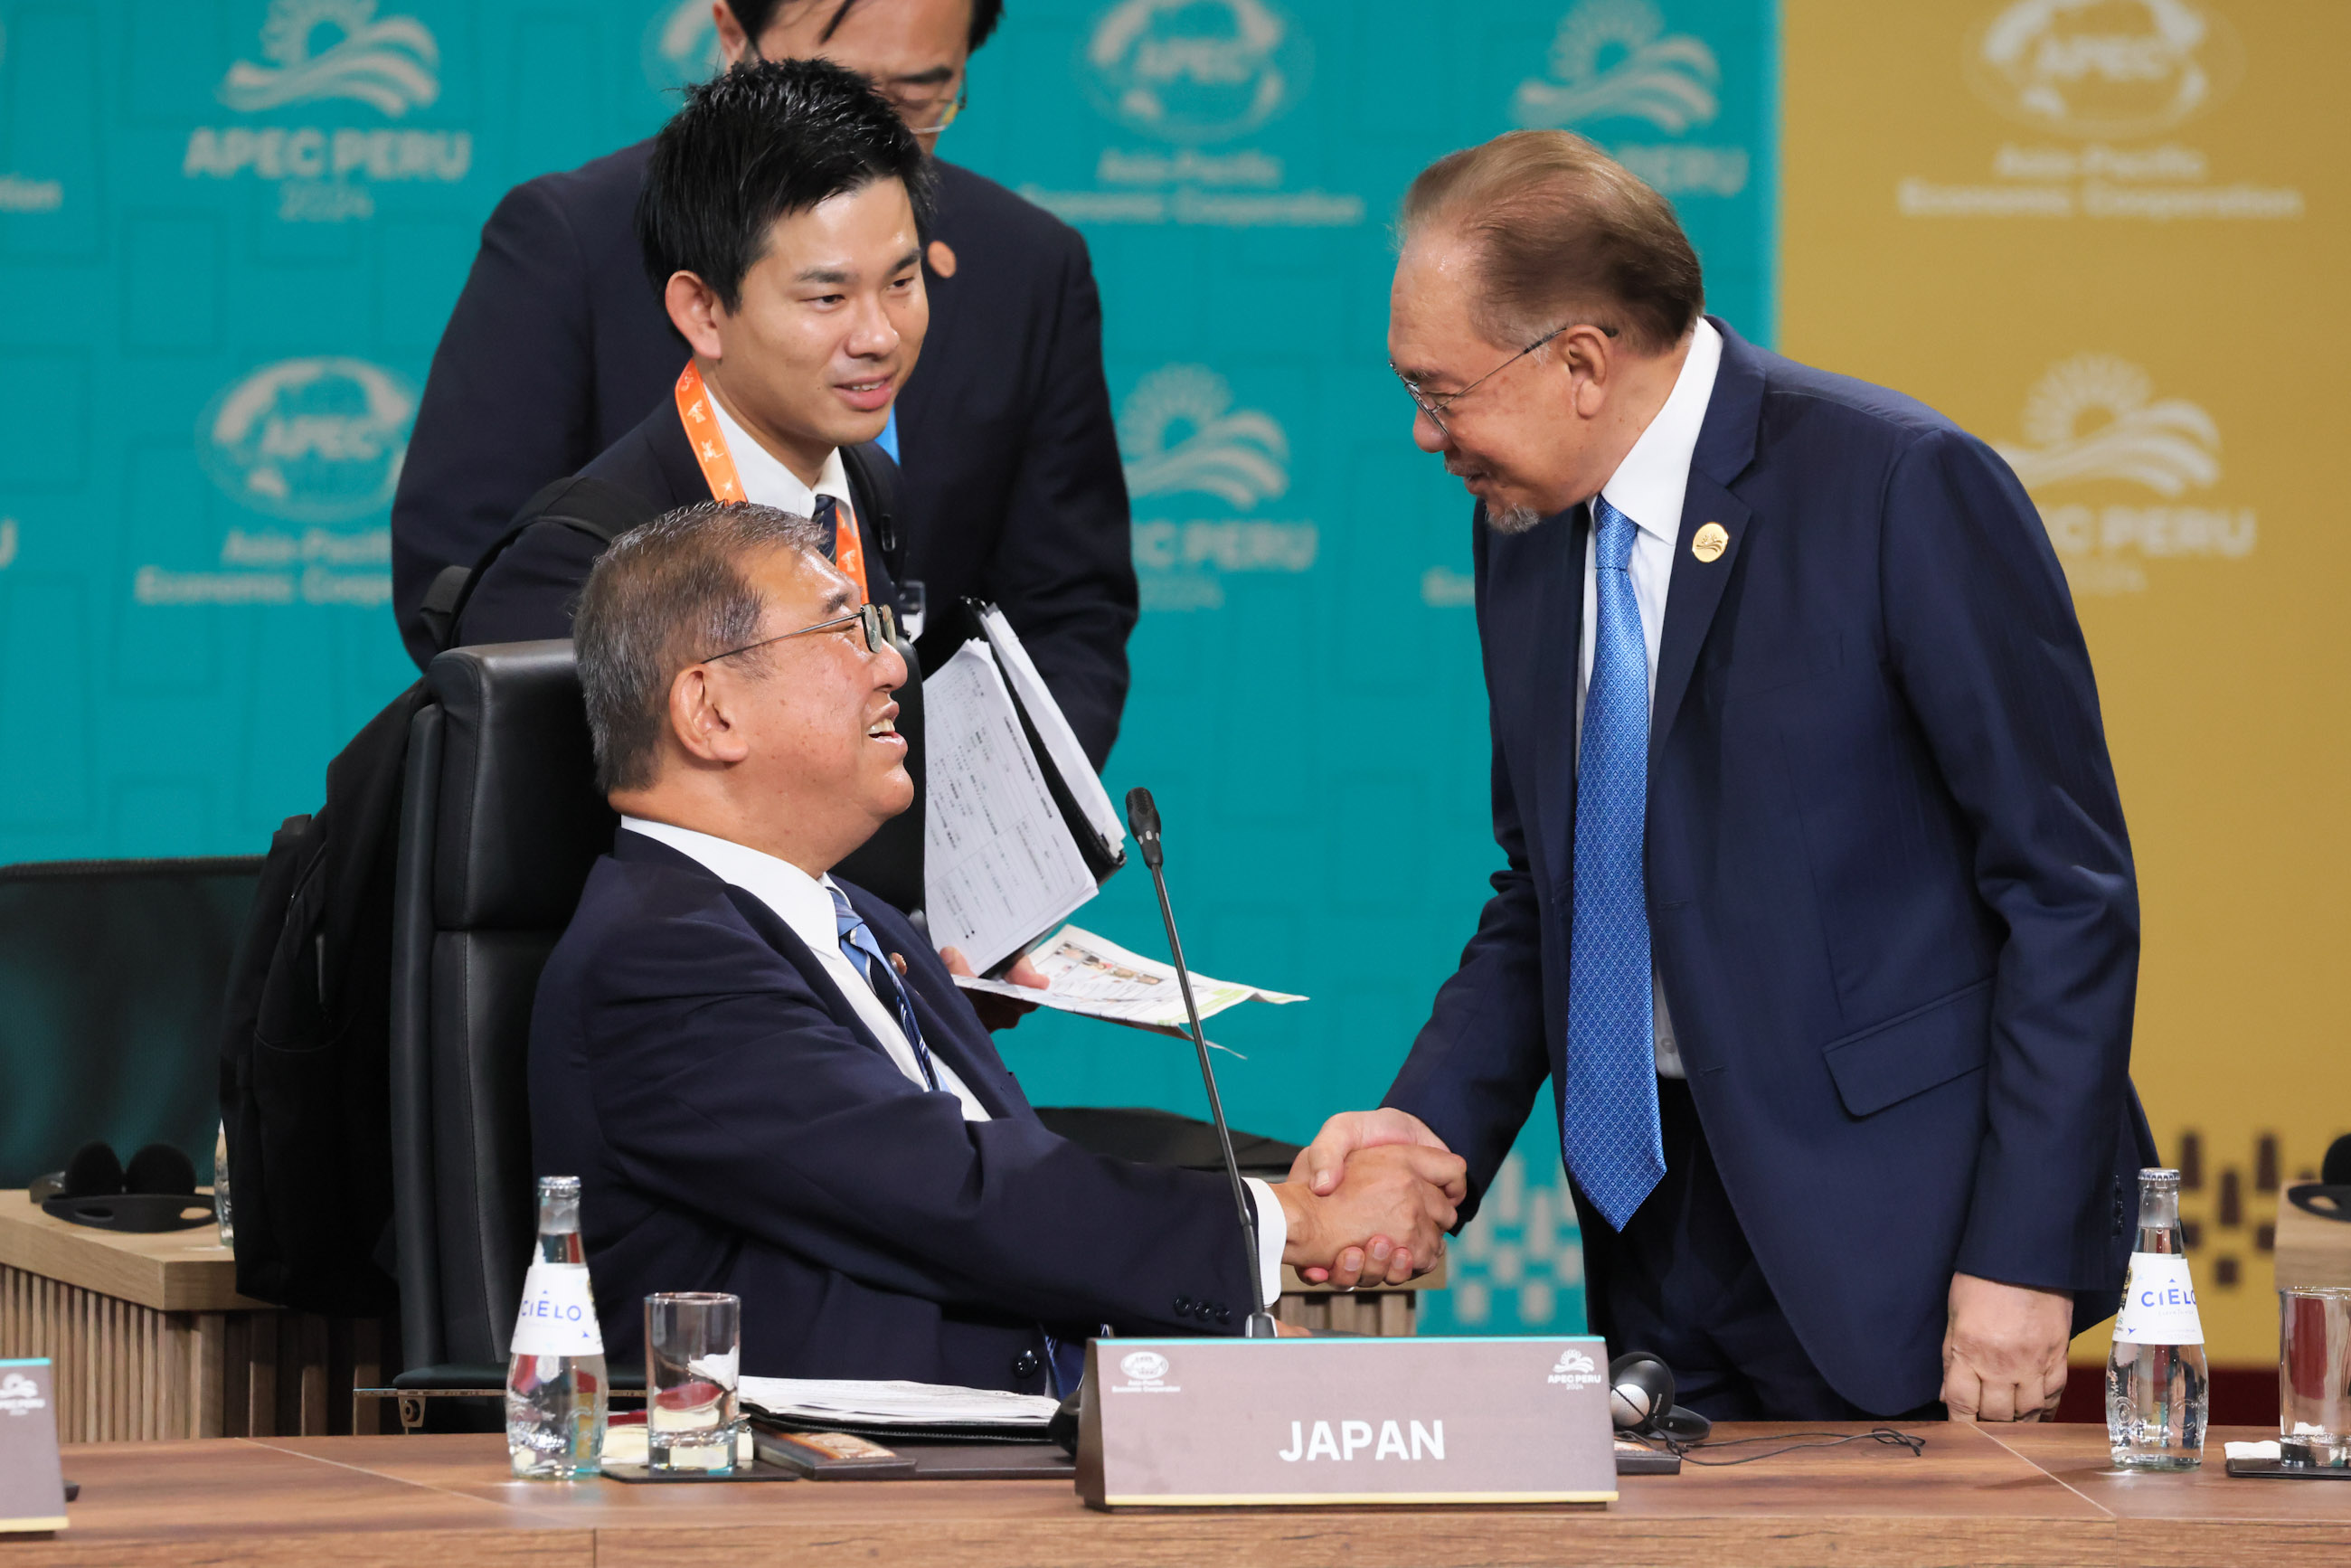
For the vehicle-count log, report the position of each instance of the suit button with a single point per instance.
(1224, 1315)
(1182, 1306)
(1026, 1364)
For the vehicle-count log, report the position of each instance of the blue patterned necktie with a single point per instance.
(864, 956)
(1612, 1139)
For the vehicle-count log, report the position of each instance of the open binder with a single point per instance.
(1019, 831)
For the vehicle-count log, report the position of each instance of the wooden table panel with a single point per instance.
(237, 1500)
(1968, 1500)
(166, 1271)
(1976, 1497)
(2201, 1516)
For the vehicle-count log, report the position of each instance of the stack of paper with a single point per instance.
(825, 1401)
(1097, 979)
(1018, 831)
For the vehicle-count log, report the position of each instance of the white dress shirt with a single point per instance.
(766, 481)
(1648, 488)
(804, 904)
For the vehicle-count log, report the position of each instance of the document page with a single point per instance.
(1097, 979)
(1060, 740)
(893, 1403)
(998, 863)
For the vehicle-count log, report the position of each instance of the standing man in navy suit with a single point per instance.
(1012, 488)
(766, 1081)
(1816, 907)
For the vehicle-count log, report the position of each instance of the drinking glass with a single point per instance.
(694, 1345)
(2314, 1376)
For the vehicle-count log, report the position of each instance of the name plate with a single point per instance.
(1199, 1423)
(32, 1492)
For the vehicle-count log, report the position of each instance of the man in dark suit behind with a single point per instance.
(1816, 907)
(766, 1083)
(1012, 489)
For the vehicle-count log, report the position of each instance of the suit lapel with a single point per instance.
(681, 471)
(786, 941)
(1556, 634)
(1726, 445)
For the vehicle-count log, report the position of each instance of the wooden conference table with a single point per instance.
(2011, 1495)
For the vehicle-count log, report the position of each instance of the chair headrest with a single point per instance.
(520, 818)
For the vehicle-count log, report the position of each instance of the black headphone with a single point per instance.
(1641, 1401)
(158, 1192)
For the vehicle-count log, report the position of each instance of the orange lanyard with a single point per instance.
(709, 443)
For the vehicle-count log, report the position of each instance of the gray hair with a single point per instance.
(1562, 232)
(666, 594)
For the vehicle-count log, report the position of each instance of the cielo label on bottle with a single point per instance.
(558, 1312)
(2159, 1303)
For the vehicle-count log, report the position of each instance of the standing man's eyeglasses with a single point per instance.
(927, 114)
(1434, 406)
(881, 628)
(922, 111)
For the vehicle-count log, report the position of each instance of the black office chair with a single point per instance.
(501, 822)
(111, 980)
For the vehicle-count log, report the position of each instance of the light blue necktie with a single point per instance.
(1610, 1137)
(864, 956)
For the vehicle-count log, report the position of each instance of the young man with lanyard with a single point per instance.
(780, 223)
(1012, 490)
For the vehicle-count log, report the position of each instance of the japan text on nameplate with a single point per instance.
(1202, 1422)
(32, 1490)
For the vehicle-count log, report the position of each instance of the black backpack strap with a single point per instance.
(597, 508)
(873, 484)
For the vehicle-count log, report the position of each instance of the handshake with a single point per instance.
(1369, 1200)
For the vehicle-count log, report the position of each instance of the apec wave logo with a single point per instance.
(316, 440)
(20, 1395)
(1178, 431)
(1195, 70)
(391, 64)
(2167, 444)
(682, 44)
(1612, 59)
(1574, 1369)
(2105, 67)
(1181, 435)
(2095, 418)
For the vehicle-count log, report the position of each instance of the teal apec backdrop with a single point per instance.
(230, 231)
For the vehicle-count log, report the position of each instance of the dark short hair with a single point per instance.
(757, 16)
(666, 594)
(756, 144)
(1564, 233)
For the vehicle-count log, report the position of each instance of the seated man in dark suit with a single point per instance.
(1013, 486)
(766, 1081)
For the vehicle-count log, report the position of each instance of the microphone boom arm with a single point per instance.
(1142, 817)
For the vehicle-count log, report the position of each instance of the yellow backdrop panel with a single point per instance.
(2110, 237)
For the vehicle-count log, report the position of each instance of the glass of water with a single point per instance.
(694, 1345)
(2314, 1376)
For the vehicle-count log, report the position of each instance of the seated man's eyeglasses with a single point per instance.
(880, 626)
(1434, 405)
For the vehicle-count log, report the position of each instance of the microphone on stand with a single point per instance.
(1142, 821)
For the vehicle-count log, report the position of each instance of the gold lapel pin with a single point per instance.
(898, 962)
(1710, 543)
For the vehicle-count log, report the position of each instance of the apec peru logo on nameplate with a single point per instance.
(1218, 1422)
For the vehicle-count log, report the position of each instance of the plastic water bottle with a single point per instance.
(556, 1390)
(2155, 1391)
(220, 1189)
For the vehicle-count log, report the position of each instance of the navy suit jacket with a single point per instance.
(1891, 899)
(1013, 488)
(735, 1127)
(530, 591)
